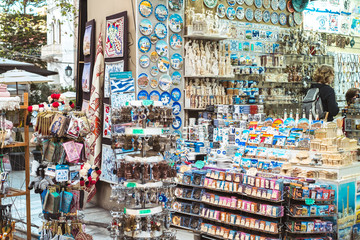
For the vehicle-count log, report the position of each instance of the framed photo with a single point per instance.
(87, 40)
(85, 82)
(115, 38)
(111, 67)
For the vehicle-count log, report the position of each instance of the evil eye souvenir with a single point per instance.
(230, 13)
(176, 108)
(176, 78)
(143, 95)
(274, 4)
(240, 2)
(161, 12)
(249, 2)
(290, 7)
(299, 6)
(282, 5)
(146, 27)
(153, 38)
(221, 10)
(145, 8)
(165, 83)
(266, 16)
(291, 20)
(176, 23)
(144, 44)
(176, 41)
(144, 61)
(161, 48)
(163, 64)
(175, 94)
(176, 61)
(274, 18)
(231, 2)
(298, 18)
(154, 96)
(154, 83)
(258, 3)
(154, 71)
(177, 123)
(165, 98)
(249, 14)
(160, 30)
(258, 15)
(210, 3)
(154, 57)
(176, 5)
(282, 18)
(240, 13)
(143, 80)
(266, 4)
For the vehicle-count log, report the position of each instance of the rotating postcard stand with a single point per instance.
(144, 170)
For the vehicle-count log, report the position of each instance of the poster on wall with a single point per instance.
(87, 40)
(108, 165)
(114, 39)
(111, 67)
(85, 82)
(346, 209)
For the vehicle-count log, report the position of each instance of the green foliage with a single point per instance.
(39, 93)
(20, 5)
(68, 10)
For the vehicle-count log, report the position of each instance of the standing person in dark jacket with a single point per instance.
(323, 77)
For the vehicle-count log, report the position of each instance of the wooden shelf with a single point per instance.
(13, 193)
(17, 144)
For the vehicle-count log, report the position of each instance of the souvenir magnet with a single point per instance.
(176, 23)
(298, 18)
(231, 2)
(161, 48)
(240, 2)
(249, 14)
(161, 12)
(153, 38)
(143, 95)
(163, 64)
(176, 94)
(143, 80)
(221, 11)
(160, 30)
(274, 18)
(230, 13)
(144, 61)
(282, 5)
(240, 13)
(145, 8)
(176, 5)
(258, 3)
(275, 4)
(266, 4)
(249, 2)
(176, 41)
(282, 18)
(154, 71)
(146, 27)
(154, 82)
(176, 78)
(210, 3)
(144, 44)
(154, 57)
(266, 16)
(176, 61)
(165, 82)
(258, 15)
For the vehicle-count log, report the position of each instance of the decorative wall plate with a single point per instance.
(221, 10)
(177, 123)
(291, 20)
(146, 27)
(163, 64)
(176, 41)
(154, 96)
(249, 2)
(161, 12)
(143, 80)
(231, 2)
(290, 7)
(145, 8)
(176, 78)
(240, 2)
(249, 14)
(154, 82)
(144, 44)
(266, 16)
(275, 4)
(282, 5)
(298, 18)
(162, 48)
(176, 108)
(210, 3)
(165, 83)
(176, 61)
(258, 3)
(165, 97)
(154, 57)
(176, 94)
(266, 4)
(282, 18)
(176, 23)
(274, 18)
(258, 15)
(230, 13)
(143, 95)
(160, 30)
(240, 13)
(154, 71)
(153, 38)
(299, 5)
(176, 5)
(144, 61)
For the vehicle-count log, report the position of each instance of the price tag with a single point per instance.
(145, 211)
(147, 102)
(131, 185)
(251, 172)
(138, 131)
(62, 173)
(199, 164)
(309, 201)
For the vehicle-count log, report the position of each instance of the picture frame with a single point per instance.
(86, 77)
(111, 67)
(115, 36)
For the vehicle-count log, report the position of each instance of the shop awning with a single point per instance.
(6, 65)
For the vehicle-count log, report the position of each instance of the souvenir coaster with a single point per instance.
(154, 57)
(266, 16)
(240, 2)
(275, 4)
(176, 108)
(176, 94)
(144, 44)
(163, 64)
(290, 7)
(176, 78)
(176, 41)
(221, 11)
(282, 18)
(160, 30)
(298, 18)
(143, 80)
(258, 3)
(274, 18)
(153, 38)
(154, 96)
(176, 5)
(161, 12)
(210, 3)
(143, 95)
(154, 82)
(145, 8)
(291, 20)
(165, 83)
(249, 2)
(230, 13)
(240, 13)
(175, 23)
(266, 4)
(146, 27)
(177, 123)
(299, 5)
(258, 15)
(154, 71)
(249, 14)
(165, 97)
(144, 61)
(162, 48)
(282, 5)
(231, 2)
(176, 61)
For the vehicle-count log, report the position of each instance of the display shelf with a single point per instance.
(206, 37)
(311, 216)
(13, 192)
(144, 131)
(186, 228)
(288, 229)
(15, 144)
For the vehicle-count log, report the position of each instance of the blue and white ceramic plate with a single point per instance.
(274, 18)
(163, 64)
(240, 13)
(154, 96)
(282, 18)
(161, 12)
(240, 2)
(249, 2)
(230, 13)
(146, 27)
(145, 8)
(176, 61)
(258, 15)
(154, 71)
(231, 2)
(258, 3)
(143, 95)
(154, 82)
(249, 14)
(210, 3)
(275, 4)
(221, 11)
(176, 5)
(165, 82)
(160, 30)
(143, 80)
(298, 18)
(177, 123)
(165, 97)
(176, 94)
(162, 48)
(144, 44)
(282, 5)
(266, 4)
(176, 22)
(176, 41)
(176, 78)
(176, 108)
(300, 5)
(144, 61)
(266, 16)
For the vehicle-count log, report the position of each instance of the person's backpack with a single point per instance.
(312, 103)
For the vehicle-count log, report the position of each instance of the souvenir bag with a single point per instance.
(312, 103)
(49, 151)
(75, 203)
(52, 202)
(66, 199)
(84, 127)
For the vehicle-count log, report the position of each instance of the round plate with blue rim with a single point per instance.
(176, 107)
(143, 80)
(230, 13)
(177, 123)
(153, 38)
(249, 14)
(231, 2)
(240, 13)
(258, 3)
(144, 44)
(274, 18)
(282, 18)
(162, 48)
(144, 61)
(176, 78)
(266, 16)
(154, 96)
(240, 2)
(291, 20)
(145, 8)
(176, 61)
(258, 15)
(249, 2)
(161, 12)
(176, 5)
(165, 97)
(221, 11)
(143, 95)
(275, 4)
(282, 5)
(154, 82)
(176, 22)
(299, 5)
(298, 18)
(154, 71)
(163, 64)
(146, 27)
(165, 82)
(176, 94)
(176, 41)
(210, 3)
(160, 30)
